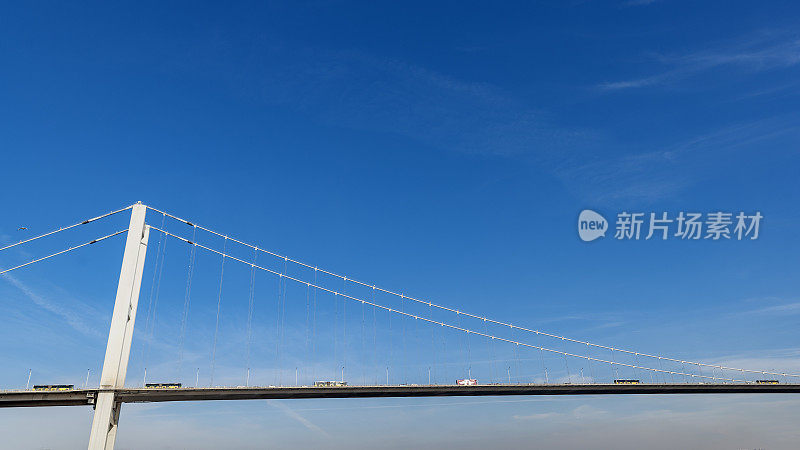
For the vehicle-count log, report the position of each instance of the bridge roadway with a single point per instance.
(77, 397)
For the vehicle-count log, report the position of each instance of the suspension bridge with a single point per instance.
(315, 333)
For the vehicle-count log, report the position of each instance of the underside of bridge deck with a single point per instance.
(88, 396)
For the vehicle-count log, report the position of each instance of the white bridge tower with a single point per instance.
(118, 349)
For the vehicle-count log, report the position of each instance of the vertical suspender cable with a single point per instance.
(672, 378)
(391, 345)
(279, 324)
(159, 252)
(344, 328)
(493, 360)
(283, 323)
(404, 363)
(278, 299)
(375, 338)
(158, 292)
(461, 346)
(444, 352)
(308, 321)
(363, 366)
(541, 357)
(314, 331)
(613, 369)
(335, 334)
(250, 308)
(433, 343)
(516, 363)
(219, 303)
(469, 355)
(186, 299)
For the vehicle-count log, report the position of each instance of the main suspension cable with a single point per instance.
(456, 311)
(459, 328)
(66, 228)
(75, 247)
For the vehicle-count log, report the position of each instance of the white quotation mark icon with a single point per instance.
(591, 225)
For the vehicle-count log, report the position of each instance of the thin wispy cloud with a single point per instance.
(663, 422)
(425, 404)
(756, 54)
(581, 412)
(641, 177)
(295, 416)
(637, 83)
(766, 306)
(665, 172)
(780, 359)
(640, 2)
(785, 309)
(69, 317)
(362, 91)
(538, 416)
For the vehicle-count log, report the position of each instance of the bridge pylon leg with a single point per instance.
(115, 365)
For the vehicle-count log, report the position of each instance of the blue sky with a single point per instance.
(441, 150)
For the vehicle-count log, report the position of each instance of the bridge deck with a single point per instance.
(138, 395)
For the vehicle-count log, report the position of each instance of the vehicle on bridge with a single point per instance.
(162, 385)
(626, 381)
(330, 383)
(767, 381)
(53, 387)
(467, 382)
